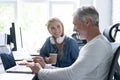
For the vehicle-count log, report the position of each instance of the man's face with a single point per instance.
(79, 27)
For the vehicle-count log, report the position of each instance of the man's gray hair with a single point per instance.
(88, 12)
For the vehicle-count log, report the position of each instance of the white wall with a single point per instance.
(104, 8)
(86, 2)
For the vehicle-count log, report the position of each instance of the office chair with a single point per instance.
(114, 73)
(80, 42)
(111, 32)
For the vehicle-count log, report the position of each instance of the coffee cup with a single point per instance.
(53, 57)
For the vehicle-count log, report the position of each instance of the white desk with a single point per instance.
(20, 55)
(16, 76)
(24, 55)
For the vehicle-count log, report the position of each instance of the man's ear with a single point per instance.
(88, 21)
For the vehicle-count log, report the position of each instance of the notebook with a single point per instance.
(11, 75)
(3, 39)
(14, 69)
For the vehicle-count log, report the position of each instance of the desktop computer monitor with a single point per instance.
(11, 38)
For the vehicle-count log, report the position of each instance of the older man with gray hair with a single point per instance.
(94, 58)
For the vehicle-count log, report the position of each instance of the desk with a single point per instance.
(23, 55)
(16, 76)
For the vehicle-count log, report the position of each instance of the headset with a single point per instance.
(58, 40)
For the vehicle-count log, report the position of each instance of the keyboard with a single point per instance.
(19, 69)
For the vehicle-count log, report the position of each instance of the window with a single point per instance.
(116, 16)
(7, 15)
(31, 16)
(116, 11)
(64, 11)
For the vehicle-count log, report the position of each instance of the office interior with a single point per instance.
(30, 16)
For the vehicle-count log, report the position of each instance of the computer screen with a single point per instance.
(11, 38)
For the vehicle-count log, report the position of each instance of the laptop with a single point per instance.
(14, 68)
(2, 70)
(19, 69)
(14, 75)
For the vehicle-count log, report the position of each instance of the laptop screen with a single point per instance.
(2, 70)
(8, 60)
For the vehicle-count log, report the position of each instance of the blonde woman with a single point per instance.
(65, 47)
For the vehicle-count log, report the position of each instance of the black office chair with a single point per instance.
(111, 32)
(79, 41)
(114, 73)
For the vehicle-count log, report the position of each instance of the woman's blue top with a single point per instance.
(70, 49)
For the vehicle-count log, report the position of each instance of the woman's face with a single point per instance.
(55, 28)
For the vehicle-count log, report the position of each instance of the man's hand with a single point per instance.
(35, 67)
(39, 60)
(48, 60)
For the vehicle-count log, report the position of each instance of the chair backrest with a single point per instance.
(111, 32)
(80, 42)
(114, 73)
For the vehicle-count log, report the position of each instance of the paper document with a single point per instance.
(3, 39)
